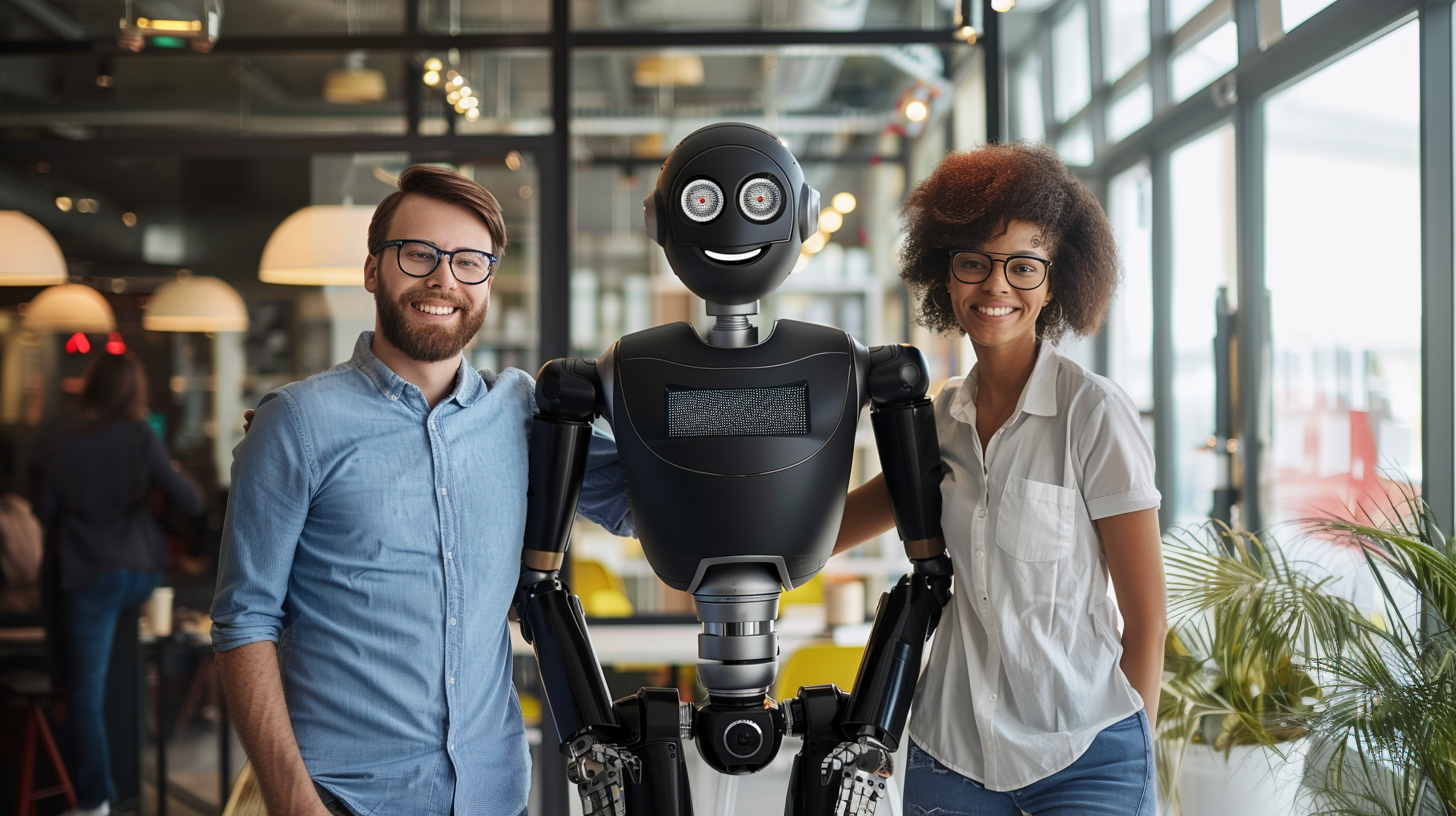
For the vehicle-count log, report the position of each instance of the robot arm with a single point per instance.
(551, 617)
(904, 423)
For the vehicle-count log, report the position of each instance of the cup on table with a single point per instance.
(158, 611)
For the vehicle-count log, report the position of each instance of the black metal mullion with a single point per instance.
(1165, 449)
(1098, 85)
(1158, 50)
(1438, 339)
(1251, 394)
(996, 77)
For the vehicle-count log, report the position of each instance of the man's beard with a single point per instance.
(421, 341)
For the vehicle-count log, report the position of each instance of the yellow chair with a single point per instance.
(817, 664)
(810, 592)
(603, 594)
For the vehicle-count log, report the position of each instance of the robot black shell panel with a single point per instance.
(738, 494)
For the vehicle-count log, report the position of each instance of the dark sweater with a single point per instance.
(90, 493)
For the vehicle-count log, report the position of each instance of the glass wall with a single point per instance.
(1130, 322)
(1203, 272)
(1343, 268)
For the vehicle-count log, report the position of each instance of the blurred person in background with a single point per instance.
(20, 548)
(92, 475)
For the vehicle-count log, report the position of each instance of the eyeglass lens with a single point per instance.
(419, 260)
(1021, 272)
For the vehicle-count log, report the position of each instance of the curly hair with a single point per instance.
(972, 197)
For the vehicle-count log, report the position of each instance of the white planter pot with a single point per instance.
(1252, 781)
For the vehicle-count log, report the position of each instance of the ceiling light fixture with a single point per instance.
(196, 303)
(916, 110)
(830, 220)
(322, 245)
(1003, 5)
(844, 202)
(355, 84)
(70, 307)
(32, 257)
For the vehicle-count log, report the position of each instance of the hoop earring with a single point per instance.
(1061, 313)
(935, 300)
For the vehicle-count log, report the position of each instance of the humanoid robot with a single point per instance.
(736, 455)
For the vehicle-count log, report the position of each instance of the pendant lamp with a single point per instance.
(322, 245)
(196, 303)
(31, 257)
(70, 307)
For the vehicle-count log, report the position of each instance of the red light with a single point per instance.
(78, 344)
(114, 344)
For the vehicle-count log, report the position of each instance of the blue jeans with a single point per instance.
(90, 615)
(1113, 778)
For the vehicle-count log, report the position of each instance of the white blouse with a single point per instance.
(1024, 672)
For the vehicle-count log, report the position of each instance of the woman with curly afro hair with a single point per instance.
(1032, 700)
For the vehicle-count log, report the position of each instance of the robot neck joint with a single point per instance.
(732, 328)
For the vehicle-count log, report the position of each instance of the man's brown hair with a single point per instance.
(972, 197)
(444, 185)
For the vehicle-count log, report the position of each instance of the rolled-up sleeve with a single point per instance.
(603, 492)
(272, 485)
(1117, 461)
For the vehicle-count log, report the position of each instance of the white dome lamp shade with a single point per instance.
(196, 303)
(31, 257)
(70, 307)
(322, 245)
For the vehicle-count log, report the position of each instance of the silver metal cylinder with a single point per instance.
(738, 649)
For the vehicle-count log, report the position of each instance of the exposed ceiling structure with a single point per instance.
(627, 104)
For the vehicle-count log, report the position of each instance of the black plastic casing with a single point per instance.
(766, 498)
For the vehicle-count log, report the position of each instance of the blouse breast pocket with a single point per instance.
(1035, 520)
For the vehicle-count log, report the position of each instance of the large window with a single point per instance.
(1343, 270)
(1130, 322)
(1203, 273)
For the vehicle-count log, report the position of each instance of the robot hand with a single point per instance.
(598, 770)
(863, 766)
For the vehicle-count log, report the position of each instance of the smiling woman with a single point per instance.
(1048, 497)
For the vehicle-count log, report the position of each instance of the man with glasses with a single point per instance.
(373, 539)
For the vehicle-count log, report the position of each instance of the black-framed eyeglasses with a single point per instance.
(420, 259)
(1022, 271)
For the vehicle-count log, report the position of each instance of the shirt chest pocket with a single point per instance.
(1035, 520)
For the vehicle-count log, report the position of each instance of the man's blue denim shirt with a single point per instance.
(378, 542)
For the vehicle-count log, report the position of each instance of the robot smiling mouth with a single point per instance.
(733, 257)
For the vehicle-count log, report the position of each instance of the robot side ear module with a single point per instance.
(731, 210)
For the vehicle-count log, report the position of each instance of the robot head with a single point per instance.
(731, 210)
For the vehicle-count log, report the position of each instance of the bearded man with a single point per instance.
(373, 540)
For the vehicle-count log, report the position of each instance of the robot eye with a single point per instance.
(761, 199)
(702, 200)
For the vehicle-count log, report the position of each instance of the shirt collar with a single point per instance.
(468, 383)
(1038, 397)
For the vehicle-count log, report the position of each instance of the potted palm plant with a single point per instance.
(1237, 692)
(1265, 654)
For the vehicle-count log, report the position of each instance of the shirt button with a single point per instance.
(452, 621)
(443, 491)
(993, 696)
(447, 555)
(452, 682)
(990, 750)
(393, 397)
(981, 513)
(980, 553)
